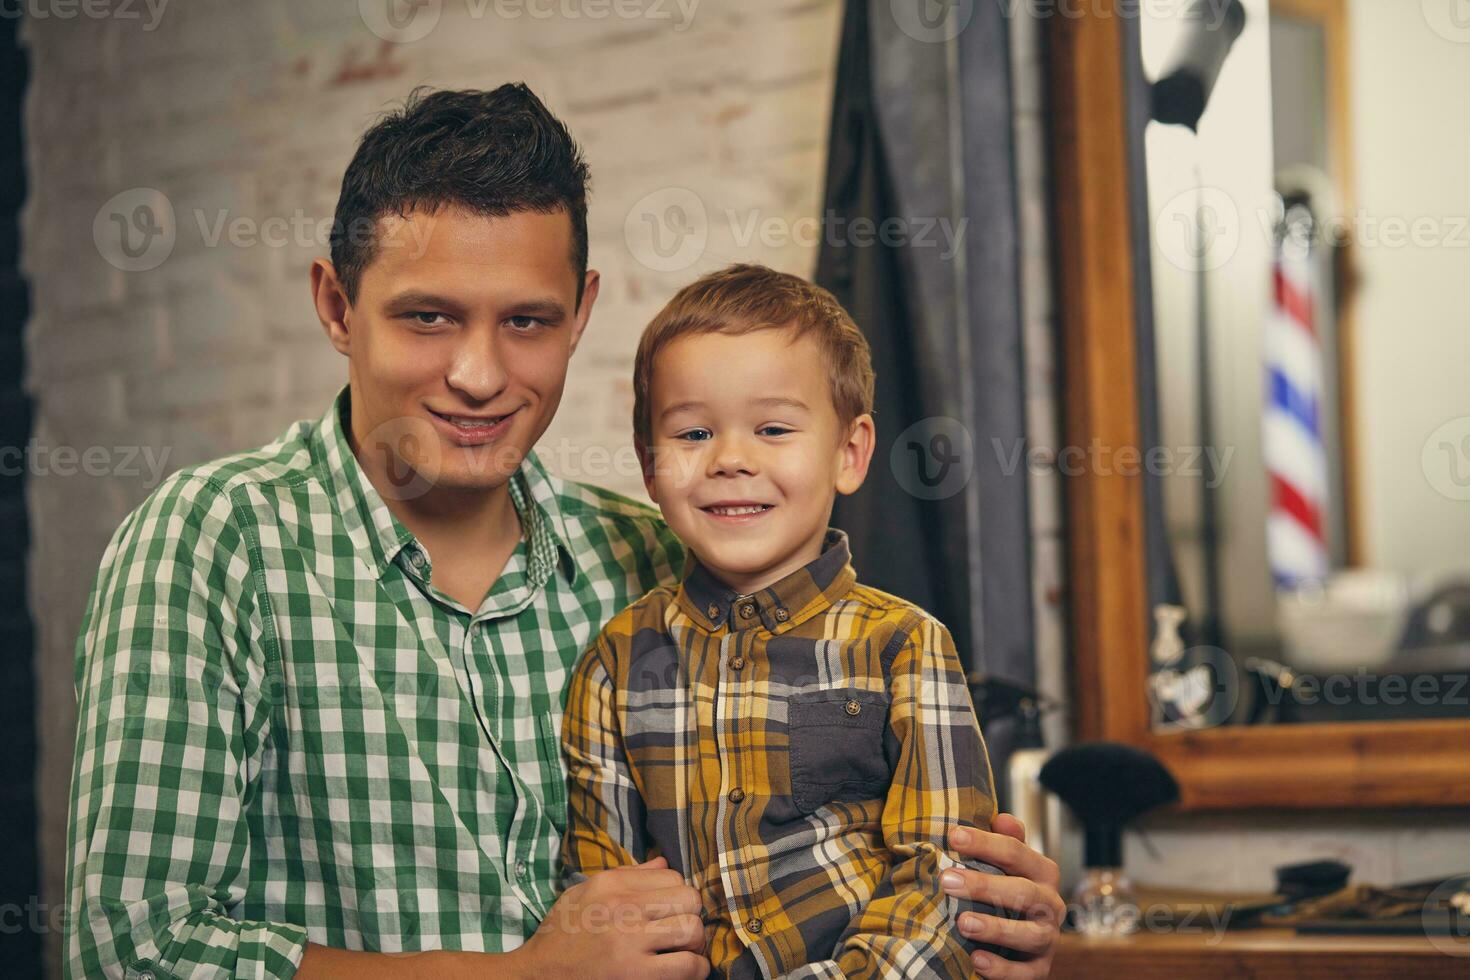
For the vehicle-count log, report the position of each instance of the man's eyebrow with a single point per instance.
(543, 308)
(550, 310)
(418, 299)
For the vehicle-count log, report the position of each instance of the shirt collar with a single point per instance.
(779, 607)
(379, 536)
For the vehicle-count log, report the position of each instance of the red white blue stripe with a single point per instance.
(1296, 461)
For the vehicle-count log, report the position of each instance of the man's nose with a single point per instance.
(477, 370)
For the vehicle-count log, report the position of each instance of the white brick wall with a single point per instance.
(255, 109)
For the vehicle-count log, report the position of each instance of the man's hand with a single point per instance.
(623, 924)
(1029, 886)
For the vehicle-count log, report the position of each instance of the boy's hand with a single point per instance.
(629, 923)
(1029, 886)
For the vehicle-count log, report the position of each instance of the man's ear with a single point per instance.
(855, 453)
(590, 286)
(332, 306)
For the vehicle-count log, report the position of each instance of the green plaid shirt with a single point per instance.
(286, 733)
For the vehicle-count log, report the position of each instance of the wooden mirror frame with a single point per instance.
(1297, 766)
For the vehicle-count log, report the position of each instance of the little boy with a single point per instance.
(794, 743)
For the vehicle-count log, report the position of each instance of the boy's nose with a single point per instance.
(731, 458)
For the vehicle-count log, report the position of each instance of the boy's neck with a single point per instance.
(749, 583)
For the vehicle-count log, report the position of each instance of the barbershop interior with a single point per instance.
(1172, 428)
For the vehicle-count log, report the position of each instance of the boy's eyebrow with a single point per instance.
(780, 402)
(684, 406)
(771, 402)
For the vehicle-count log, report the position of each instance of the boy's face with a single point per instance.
(458, 345)
(747, 453)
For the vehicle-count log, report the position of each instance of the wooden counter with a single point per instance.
(1258, 954)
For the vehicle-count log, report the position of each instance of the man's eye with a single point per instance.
(423, 318)
(694, 435)
(525, 323)
(773, 430)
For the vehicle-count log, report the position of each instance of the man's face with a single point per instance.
(458, 345)
(747, 452)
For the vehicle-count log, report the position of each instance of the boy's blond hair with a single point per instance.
(743, 298)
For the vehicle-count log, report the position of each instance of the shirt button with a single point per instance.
(853, 707)
(747, 609)
(416, 558)
(738, 663)
(737, 794)
(782, 615)
(714, 611)
(522, 870)
(754, 925)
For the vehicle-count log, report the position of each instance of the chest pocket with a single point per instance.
(836, 745)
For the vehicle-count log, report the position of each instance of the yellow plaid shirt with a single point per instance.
(798, 754)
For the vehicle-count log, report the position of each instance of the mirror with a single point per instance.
(1309, 244)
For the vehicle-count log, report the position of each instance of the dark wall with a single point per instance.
(20, 938)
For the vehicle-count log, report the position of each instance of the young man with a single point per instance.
(795, 743)
(320, 683)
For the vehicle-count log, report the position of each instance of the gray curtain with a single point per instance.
(921, 139)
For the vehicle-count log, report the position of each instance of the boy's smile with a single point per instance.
(747, 452)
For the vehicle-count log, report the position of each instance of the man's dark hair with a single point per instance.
(494, 153)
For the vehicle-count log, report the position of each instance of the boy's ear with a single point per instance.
(855, 453)
(645, 463)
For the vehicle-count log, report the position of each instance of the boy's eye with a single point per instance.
(525, 324)
(773, 430)
(694, 435)
(424, 318)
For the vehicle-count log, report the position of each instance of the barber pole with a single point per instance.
(1296, 461)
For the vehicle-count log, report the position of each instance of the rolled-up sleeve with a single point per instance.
(171, 684)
